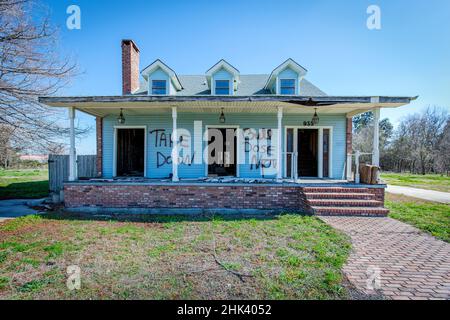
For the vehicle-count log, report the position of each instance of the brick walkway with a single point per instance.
(411, 264)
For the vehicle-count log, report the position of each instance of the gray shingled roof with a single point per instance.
(250, 84)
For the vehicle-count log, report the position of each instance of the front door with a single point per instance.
(130, 152)
(222, 152)
(307, 145)
(304, 150)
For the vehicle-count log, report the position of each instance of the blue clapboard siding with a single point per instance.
(159, 129)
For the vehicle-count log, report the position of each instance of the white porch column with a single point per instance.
(280, 144)
(72, 152)
(349, 166)
(376, 137)
(174, 146)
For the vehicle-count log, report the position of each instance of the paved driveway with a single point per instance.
(10, 209)
(399, 260)
(430, 195)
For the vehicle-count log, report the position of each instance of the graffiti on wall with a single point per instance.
(257, 144)
(162, 141)
(259, 148)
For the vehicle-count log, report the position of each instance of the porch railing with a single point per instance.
(357, 160)
(293, 158)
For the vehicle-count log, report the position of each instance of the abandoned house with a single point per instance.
(223, 141)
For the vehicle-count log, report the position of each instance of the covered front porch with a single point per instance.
(269, 154)
(281, 138)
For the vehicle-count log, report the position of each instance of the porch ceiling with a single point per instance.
(140, 105)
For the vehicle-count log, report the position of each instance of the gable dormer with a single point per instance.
(285, 79)
(222, 78)
(161, 80)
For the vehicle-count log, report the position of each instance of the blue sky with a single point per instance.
(408, 56)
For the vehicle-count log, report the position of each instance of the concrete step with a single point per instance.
(344, 203)
(339, 195)
(350, 211)
(334, 190)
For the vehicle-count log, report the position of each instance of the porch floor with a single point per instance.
(228, 181)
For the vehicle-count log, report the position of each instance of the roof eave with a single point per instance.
(306, 100)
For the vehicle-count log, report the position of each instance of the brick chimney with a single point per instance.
(130, 67)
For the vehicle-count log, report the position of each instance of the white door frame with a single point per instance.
(320, 149)
(238, 144)
(115, 147)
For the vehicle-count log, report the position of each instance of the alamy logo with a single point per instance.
(74, 19)
(373, 281)
(374, 20)
(74, 280)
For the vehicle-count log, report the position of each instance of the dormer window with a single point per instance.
(159, 87)
(222, 87)
(286, 78)
(287, 86)
(222, 78)
(160, 79)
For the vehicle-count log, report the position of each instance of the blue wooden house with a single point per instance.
(223, 140)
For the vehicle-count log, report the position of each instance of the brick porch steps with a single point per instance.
(344, 201)
(335, 189)
(337, 195)
(350, 211)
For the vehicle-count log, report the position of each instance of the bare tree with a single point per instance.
(420, 137)
(442, 153)
(7, 152)
(30, 67)
(400, 151)
(56, 148)
(420, 143)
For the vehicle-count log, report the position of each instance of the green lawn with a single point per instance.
(428, 181)
(431, 217)
(23, 184)
(276, 257)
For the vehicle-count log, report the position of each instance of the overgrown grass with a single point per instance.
(428, 181)
(282, 257)
(431, 217)
(23, 184)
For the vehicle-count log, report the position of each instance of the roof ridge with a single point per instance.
(242, 74)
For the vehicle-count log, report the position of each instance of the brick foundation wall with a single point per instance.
(288, 198)
(378, 192)
(180, 196)
(99, 135)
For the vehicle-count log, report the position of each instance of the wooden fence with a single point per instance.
(58, 169)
